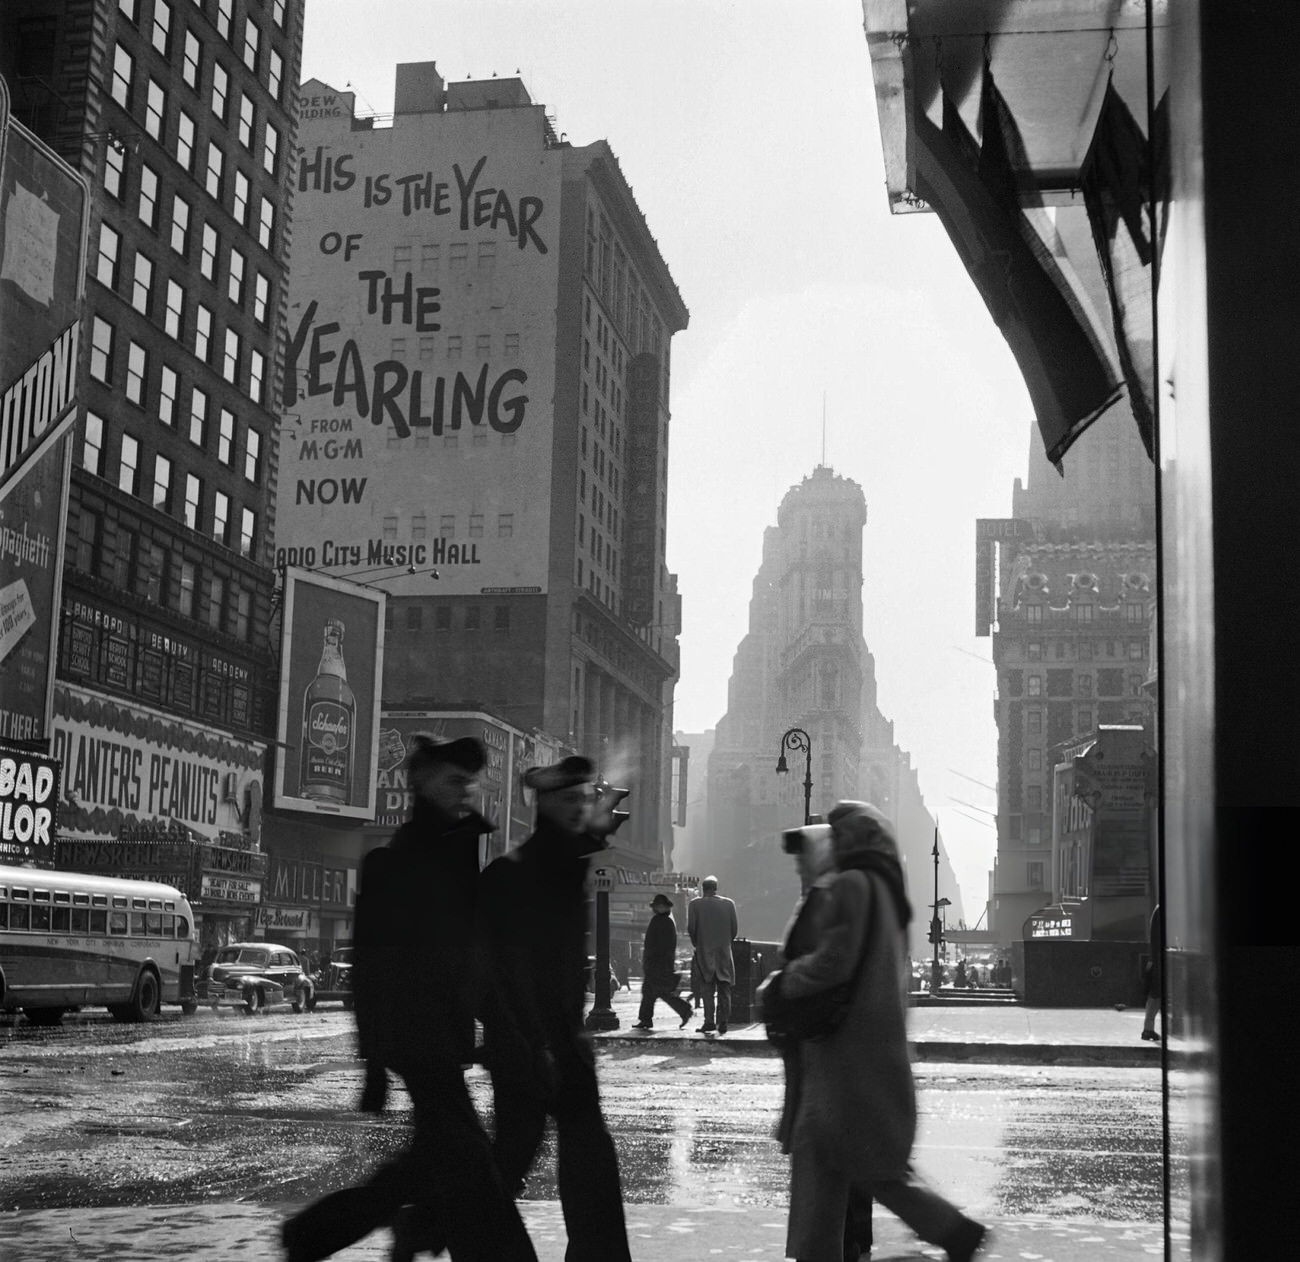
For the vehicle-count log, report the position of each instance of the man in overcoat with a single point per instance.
(712, 924)
(533, 928)
(413, 982)
(659, 965)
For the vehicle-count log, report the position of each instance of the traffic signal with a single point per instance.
(936, 930)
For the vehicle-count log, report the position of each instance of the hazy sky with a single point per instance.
(748, 132)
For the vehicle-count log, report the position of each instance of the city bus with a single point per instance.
(69, 940)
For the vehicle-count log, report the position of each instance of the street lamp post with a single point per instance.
(936, 925)
(796, 738)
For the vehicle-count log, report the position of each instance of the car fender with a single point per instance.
(268, 984)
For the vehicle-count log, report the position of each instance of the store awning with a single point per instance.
(991, 107)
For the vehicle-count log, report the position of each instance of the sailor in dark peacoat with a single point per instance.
(414, 988)
(533, 934)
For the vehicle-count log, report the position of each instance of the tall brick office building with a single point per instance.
(180, 117)
(1072, 641)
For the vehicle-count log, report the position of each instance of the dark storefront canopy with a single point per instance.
(1015, 121)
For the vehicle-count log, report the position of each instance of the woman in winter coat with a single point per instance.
(815, 861)
(854, 1121)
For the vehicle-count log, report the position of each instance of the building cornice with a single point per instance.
(603, 169)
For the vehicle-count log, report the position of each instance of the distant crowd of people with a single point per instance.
(969, 976)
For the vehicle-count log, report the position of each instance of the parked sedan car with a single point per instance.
(335, 980)
(255, 975)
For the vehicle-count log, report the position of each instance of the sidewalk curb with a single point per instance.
(749, 1041)
(242, 1231)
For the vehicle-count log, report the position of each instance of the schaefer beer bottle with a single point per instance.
(328, 713)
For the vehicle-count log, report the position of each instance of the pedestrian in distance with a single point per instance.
(414, 926)
(1153, 976)
(713, 927)
(855, 1120)
(533, 927)
(659, 974)
(815, 861)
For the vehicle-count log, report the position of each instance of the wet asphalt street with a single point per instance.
(225, 1106)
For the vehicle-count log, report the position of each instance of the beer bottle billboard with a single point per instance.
(328, 725)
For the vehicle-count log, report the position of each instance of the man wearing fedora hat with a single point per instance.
(659, 965)
(533, 938)
(414, 925)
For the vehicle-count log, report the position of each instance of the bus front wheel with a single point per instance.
(144, 1004)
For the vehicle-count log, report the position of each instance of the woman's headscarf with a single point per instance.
(866, 841)
(814, 857)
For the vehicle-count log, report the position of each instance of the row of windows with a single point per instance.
(431, 254)
(1087, 650)
(104, 364)
(421, 439)
(146, 569)
(599, 549)
(1084, 720)
(614, 279)
(76, 911)
(606, 515)
(123, 89)
(91, 922)
(1084, 650)
(163, 399)
(606, 384)
(1084, 611)
(212, 516)
(1083, 685)
(448, 618)
(603, 467)
(243, 282)
(164, 27)
(613, 647)
(454, 346)
(604, 592)
(234, 193)
(422, 524)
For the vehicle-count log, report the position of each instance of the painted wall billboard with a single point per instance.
(125, 766)
(43, 210)
(29, 806)
(419, 375)
(331, 668)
